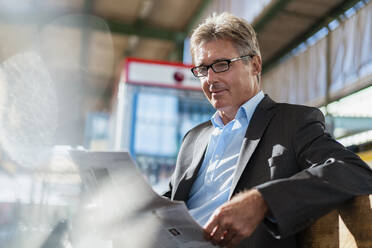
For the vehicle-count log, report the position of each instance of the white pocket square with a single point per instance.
(278, 150)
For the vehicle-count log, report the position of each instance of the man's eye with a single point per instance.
(221, 64)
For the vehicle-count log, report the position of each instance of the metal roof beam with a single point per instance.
(144, 30)
(197, 15)
(177, 55)
(139, 28)
(268, 15)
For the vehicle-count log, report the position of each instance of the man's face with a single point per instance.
(228, 90)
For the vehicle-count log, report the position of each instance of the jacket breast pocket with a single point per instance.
(277, 153)
(274, 161)
(278, 157)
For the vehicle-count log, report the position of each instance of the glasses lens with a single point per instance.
(200, 71)
(220, 66)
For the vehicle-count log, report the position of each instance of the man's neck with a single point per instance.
(227, 114)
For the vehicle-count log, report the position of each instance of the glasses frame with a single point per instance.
(229, 61)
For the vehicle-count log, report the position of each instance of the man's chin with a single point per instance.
(222, 107)
(219, 103)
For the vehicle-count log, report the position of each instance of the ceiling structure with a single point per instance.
(285, 24)
(149, 29)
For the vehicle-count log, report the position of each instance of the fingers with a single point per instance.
(236, 220)
(218, 231)
(235, 241)
(210, 228)
(227, 238)
(223, 236)
(218, 236)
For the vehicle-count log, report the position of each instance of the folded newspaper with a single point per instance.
(119, 208)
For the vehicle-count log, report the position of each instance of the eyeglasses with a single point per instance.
(217, 67)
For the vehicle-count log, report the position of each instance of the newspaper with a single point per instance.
(120, 207)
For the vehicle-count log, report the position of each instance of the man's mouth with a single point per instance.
(217, 89)
(217, 92)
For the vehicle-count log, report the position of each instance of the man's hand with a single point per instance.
(236, 219)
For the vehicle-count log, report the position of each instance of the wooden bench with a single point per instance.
(347, 227)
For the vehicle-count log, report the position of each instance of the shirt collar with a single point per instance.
(245, 111)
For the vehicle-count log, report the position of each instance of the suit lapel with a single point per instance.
(199, 151)
(255, 130)
(188, 178)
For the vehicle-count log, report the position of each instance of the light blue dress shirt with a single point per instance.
(213, 183)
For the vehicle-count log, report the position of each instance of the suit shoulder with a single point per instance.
(299, 113)
(296, 108)
(200, 127)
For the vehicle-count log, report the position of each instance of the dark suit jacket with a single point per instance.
(300, 170)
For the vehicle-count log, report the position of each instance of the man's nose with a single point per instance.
(210, 75)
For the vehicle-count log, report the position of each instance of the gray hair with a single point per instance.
(226, 26)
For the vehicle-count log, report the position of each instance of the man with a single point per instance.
(259, 171)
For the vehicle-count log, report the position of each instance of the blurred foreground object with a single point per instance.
(119, 205)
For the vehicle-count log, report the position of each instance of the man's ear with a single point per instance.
(257, 64)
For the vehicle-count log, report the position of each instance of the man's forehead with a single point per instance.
(208, 52)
